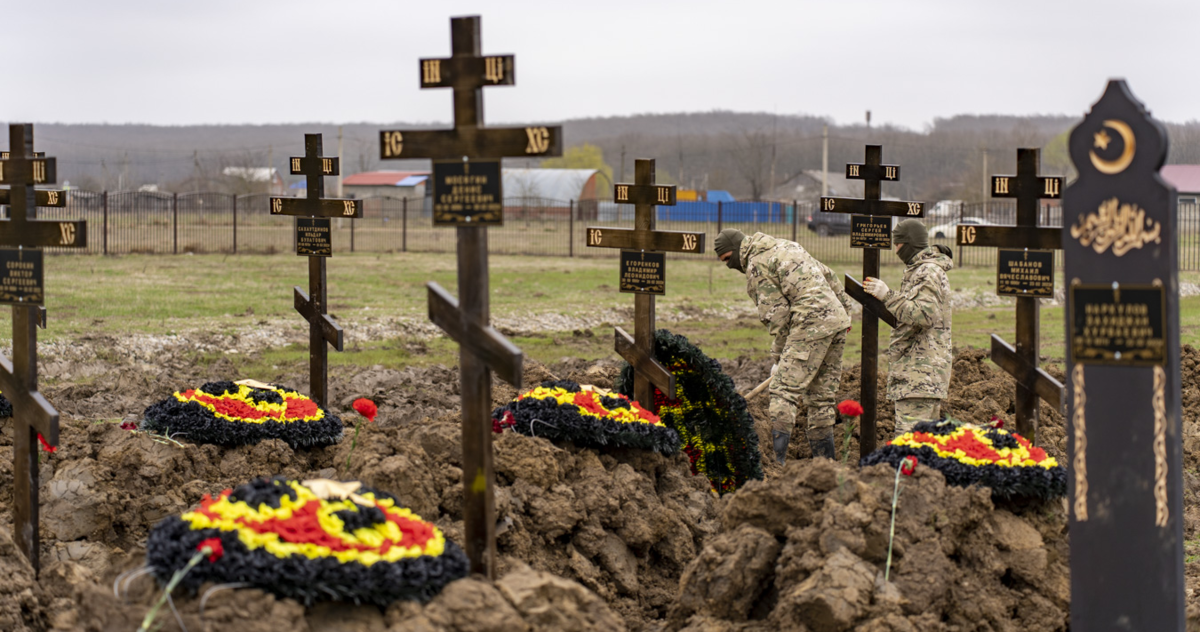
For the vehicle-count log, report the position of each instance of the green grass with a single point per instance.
(170, 294)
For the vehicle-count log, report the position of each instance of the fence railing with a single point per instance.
(132, 222)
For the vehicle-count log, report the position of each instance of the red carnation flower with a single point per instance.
(366, 408)
(850, 408)
(46, 445)
(214, 546)
(996, 422)
(129, 425)
(908, 465)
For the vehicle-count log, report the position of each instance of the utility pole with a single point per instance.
(622, 179)
(824, 161)
(774, 138)
(868, 120)
(270, 159)
(340, 162)
(987, 182)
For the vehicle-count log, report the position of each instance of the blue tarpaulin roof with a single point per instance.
(412, 181)
(303, 184)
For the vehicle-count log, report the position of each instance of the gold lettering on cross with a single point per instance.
(348, 208)
(1001, 186)
(689, 242)
(67, 234)
(664, 195)
(295, 165)
(914, 208)
(539, 140)
(968, 234)
(327, 165)
(431, 71)
(1052, 185)
(889, 173)
(493, 69)
(276, 205)
(2, 171)
(39, 172)
(393, 143)
(826, 204)
(852, 171)
(51, 198)
(594, 236)
(622, 193)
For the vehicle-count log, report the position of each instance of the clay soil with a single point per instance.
(588, 539)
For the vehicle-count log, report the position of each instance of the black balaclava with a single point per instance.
(730, 240)
(913, 237)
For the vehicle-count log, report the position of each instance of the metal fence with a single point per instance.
(132, 222)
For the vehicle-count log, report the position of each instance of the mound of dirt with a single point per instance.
(806, 551)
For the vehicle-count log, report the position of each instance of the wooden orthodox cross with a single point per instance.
(22, 236)
(873, 236)
(1025, 269)
(1125, 423)
(643, 272)
(467, 194)
(315, 239)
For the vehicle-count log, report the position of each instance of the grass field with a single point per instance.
(149, 294)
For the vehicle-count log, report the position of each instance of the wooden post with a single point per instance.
(235, 223)
(175, 223)
(571, 230)
(105, 235)
(1125, 423)
(871, 235)
(1025, 270)
(404, 225)
(314, 239)
(643, 273)
(481, 348)
(22, 236)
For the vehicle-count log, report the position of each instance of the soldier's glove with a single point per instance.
(877, 288)
(774, 367)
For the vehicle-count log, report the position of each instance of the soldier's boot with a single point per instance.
(781, 440)
(822, 447)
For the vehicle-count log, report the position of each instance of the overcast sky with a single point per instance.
(276, 61)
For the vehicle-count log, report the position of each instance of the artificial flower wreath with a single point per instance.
(967, 454)
(715, 428)
(310, 541)
(241, 413)
(566, 411)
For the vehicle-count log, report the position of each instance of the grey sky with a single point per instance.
(909, 61)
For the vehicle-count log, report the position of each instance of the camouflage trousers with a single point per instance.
(810, 370)
(912, 410)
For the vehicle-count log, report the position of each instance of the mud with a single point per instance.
(633, 535)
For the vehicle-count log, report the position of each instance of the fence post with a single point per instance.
(719, 218)
(175, 222)
(571, 230)
(404, 225)
(235, 223)
(352, 222)
(960, 248)
(105, 227)
(795, 217)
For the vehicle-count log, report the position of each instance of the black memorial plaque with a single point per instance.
(314, 237)
(1120, 325)
(643, 272)
(1027, 273)
(869, 231)
(1124, 415)
(21, 281)
(467, 193)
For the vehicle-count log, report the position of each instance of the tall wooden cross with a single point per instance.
(22, 236)
(467, 194)
(1025, 269)
(315, 239)
(875, 235)
(643, 273)
(1125, 432)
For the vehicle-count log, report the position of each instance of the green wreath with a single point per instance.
(715, 428)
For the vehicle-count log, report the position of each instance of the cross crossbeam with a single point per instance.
(855, 290)
(314, 304)
(41, 197)
(638, 350)
(22, 169)
(1021, 362)
(481, 348)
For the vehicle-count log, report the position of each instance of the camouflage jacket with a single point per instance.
(795, 293)
(919, 356)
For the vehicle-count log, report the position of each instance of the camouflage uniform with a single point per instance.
(919, 355)
(807, 312)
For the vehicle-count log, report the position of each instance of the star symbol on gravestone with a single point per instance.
(1102, 139)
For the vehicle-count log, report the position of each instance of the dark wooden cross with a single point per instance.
(22, 236)
(1025, 269)
(638, 349)
(872, 172)
(1124, 415)
(315, 239)
(481, 348)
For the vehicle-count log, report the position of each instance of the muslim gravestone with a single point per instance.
(1124, 412)
(314, 239)
(1024, 269)
(643, 273)
(22, 237)
(873, 173)
(467, 194)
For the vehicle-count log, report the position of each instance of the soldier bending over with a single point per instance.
(807, 312)
(919, 355)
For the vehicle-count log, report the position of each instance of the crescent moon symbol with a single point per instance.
(1113, 167)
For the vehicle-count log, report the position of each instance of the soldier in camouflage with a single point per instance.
(806, 311)
(919, 355)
